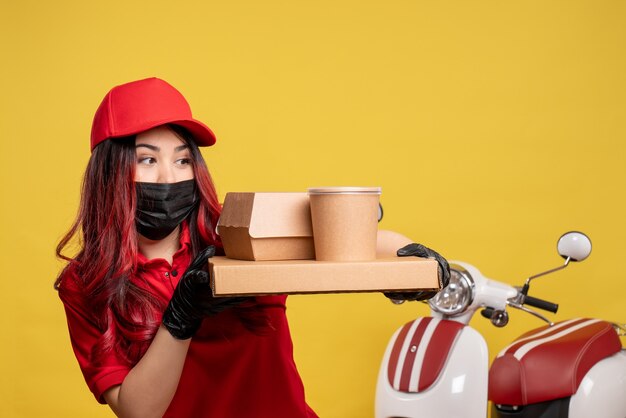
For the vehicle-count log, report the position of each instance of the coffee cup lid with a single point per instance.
(345, 190)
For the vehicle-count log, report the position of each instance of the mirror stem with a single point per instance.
(527, 284)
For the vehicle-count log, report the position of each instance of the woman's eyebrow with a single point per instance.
(149, 146)
(157, 149)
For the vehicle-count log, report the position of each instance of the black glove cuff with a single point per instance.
(179, 328)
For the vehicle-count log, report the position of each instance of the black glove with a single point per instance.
(443, 272)
(193, 299)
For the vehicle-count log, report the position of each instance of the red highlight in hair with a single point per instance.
(127, 315)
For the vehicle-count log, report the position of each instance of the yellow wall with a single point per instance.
(492, 127)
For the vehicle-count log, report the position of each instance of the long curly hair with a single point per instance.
(127, 315)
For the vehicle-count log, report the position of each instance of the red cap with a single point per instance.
(137, 106)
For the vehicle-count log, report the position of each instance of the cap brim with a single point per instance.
(201, 133)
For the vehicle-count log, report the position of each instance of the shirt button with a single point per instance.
(174, 273)
(167, 274)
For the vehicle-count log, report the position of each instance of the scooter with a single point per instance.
(438, 366)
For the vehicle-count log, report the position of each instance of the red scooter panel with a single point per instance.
(550, 362)
(420, 353)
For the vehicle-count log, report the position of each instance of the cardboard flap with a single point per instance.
(236, 210)
(267, 215)
(281, 215)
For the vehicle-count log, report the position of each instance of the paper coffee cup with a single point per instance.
(345, 222)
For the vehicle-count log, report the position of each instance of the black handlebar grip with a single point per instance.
(541, 304)
(487, 312)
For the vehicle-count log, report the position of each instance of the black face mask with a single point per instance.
(161, 207)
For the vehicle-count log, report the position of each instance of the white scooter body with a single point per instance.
(460, 389)
(602, 391)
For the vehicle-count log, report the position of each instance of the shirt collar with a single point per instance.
(185, 245)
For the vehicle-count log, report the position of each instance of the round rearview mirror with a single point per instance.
(574, 245)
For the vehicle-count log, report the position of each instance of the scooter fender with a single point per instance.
(433, 368)
(601, 392)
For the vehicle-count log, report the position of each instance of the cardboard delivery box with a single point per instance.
(266, 226)
(237, 277)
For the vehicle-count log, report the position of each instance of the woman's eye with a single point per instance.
(184, 161)
(146, 160)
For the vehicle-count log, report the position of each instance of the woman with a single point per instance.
(134, 297)
(138, 290)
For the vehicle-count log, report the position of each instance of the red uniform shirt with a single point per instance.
(229, 371)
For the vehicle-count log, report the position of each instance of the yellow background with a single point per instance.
(492, 127)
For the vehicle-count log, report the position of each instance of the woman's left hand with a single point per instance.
(443, 273)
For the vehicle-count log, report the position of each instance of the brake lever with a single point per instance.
(521, 307)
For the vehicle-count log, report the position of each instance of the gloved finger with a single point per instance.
(202, 258)
(444, 268)
(197, 277)
(416, 250)
(419, 250)
(410, 296)
(212, 305)
(425, 294)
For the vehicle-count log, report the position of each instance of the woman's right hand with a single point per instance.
(193, 299)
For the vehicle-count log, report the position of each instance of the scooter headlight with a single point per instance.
(457, 295)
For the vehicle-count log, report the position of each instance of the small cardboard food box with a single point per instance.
(238, 277)
(266, 226)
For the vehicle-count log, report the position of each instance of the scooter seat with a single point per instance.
(550, 362)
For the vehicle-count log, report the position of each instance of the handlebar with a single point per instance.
(541, 304)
